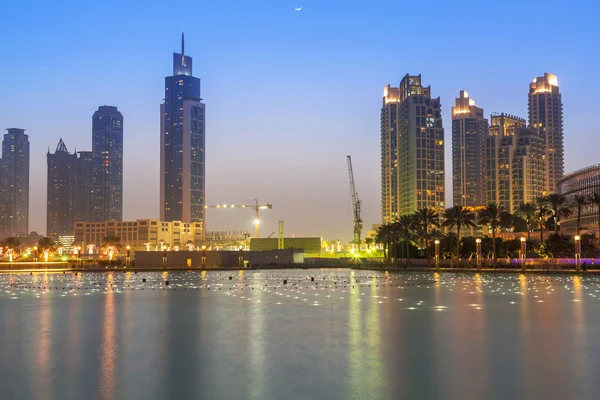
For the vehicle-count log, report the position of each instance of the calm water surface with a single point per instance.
(345, 335)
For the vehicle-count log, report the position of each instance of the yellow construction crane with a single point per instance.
(256, 207)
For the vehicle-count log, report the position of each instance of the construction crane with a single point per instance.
(356, 206)
(256, 207)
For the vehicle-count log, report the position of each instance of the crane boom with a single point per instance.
(256, 207)
(355, 205)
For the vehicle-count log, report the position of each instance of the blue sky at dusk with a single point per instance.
(288, 93)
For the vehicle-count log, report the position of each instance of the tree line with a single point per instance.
(413, 235)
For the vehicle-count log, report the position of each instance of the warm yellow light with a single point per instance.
(437, 242)
(478, 240)
(577, 238)
(256, 221)
(523, 239)
(128, 247)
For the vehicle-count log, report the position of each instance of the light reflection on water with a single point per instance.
(208, 336)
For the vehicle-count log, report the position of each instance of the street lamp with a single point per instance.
(127, 259)
(437, 254)
(478, 250)
(577, 252)
(523, 252)
(203, 256)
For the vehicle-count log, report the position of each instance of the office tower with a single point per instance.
(107, 164)
(82, 195)
(469, 133)
(546, 119)
(60, 190)
(515, 164)
(14, 183)
(182, 167)
(412, 150)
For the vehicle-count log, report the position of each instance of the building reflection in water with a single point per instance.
(108, 347)
(43, 346)
(365, 365)
(256, 345)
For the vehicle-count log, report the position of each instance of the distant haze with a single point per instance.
(288, 94)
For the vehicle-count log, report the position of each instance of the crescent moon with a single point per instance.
(298, 8)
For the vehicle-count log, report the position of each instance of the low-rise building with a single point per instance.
(141, 234)
(583, 182)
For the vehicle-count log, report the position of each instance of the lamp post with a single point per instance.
(128, 259)
(437, 254)
(203, 256)
(577, 253)
(523, 252)
(478, 250)
(35, 252)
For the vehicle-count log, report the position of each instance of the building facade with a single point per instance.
(546, 119)
(182, 141)
(583, 182)
(62, 170)
(14, 184)
(140, 235)
(469, 134)
(514, 162)
(412, 150)
(107, 164)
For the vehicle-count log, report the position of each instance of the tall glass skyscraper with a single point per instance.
(546, 119)
(107, 164)
(412, 150)
(182, 166)
(62, 170)
(14, 184)
(469, 133)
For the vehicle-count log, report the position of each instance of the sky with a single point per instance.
(288, 93)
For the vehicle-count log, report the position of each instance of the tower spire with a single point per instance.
(182, 50)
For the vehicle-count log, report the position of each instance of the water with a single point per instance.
(396, 336)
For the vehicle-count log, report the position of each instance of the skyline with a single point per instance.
(269, 142)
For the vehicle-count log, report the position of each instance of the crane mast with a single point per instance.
(355, 205)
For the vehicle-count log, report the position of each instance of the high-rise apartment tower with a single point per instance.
(469, 133)
(62, 170)
(14, 183)
(412, 150)
(546, 119)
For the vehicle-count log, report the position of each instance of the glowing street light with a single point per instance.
(478, 250)
(577, 253)
(437, 254)
(523, 252)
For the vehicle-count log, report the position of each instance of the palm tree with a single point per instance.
(495, 216)
(459, 217)
(542, 213)
(384, 237)
(12, 245)
(425, 218)
(594, 199)
(527, 211)
(559, 207)
(402, 229)
(111, 241)
(46, 243)
(579, 201)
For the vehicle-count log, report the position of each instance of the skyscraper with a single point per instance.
(60, 188)
(82, 207)
(469, 133)
(107, 164)
(14, 183)
(515, 165)
(412, 150)
(182, 167)
(546, 119)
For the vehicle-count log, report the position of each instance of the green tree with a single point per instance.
(458, 217)
(559, 207)
(495, 216)
(384, 237)
(579, 201)
(527, 211)
(402, 229)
